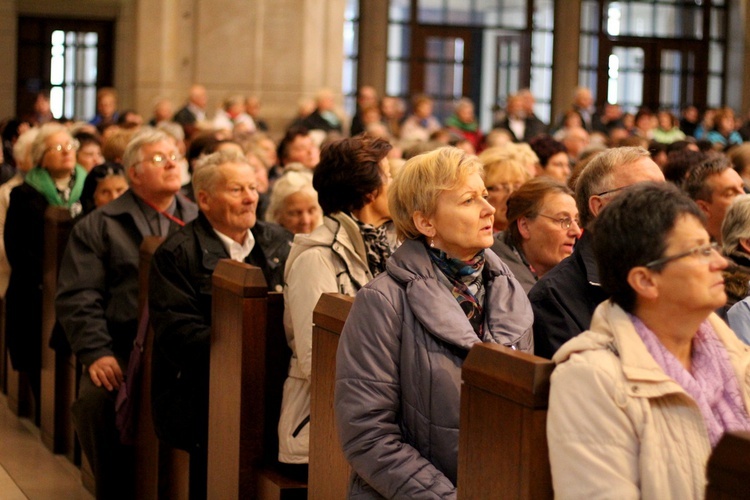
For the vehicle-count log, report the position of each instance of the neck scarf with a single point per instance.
(466, 283)
(39, 179)
(377, 247)
(712, 384)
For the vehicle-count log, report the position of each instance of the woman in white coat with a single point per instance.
(638, 402)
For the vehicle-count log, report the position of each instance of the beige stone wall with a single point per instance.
(7, 58)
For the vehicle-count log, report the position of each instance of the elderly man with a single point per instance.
(564, 299)
(97, 296)
(714, 184)
(194, 111)
(180, 297)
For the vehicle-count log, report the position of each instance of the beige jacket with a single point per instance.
(618, 426)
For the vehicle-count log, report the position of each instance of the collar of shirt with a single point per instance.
(235, 250)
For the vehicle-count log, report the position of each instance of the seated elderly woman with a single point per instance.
(398, 366)
(294, 203)
(503, 174)
(340, 256)
(638, 402)
(542, 229)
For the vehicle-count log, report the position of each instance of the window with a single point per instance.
(73, 71)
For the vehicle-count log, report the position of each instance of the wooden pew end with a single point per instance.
(273, 485)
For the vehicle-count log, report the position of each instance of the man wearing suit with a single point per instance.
(522, 125)
(194, 111)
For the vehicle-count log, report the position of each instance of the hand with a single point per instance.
(106, 371)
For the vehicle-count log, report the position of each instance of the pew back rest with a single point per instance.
(502, 438)
(729, 468)
(329, 469)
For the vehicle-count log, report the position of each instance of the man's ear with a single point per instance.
(704, 206)
(596, 203)
(745, 244)
(424, 224)
(201, 198)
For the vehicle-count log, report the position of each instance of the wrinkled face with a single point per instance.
(558, 167)
(110, 188)
(545, 241)
(463, 219)
(498, 194)
(304, 151)
(693, 282)
(230, 208)
(89, 156)
(59, 158)
(725, 187)
(380, 201)
(300, 213)
(149, 179)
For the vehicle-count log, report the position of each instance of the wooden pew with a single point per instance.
(161, 471)
(729, 468)
(503, 438)
(58, 378)
(249, 361)
(329, 469)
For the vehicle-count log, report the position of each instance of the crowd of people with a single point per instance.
(579, 241)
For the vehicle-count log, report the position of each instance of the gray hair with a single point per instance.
(22, 147)
(172, 129)
(206, 173)
(289, 183)
(146, 136)
(736, 225)
(598, 176)
(39, 145)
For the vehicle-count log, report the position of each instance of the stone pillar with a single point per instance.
(565, 54)
(738, 57)
(373, 44)
(8, 40)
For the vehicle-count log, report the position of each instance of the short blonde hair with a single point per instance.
(502, 166)
(420, 182)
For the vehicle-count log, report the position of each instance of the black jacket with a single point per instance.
(564, 299)
(534, 127)
(180, 308)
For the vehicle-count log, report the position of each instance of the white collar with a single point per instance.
(235, 250)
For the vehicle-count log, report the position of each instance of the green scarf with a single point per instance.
(39, 179)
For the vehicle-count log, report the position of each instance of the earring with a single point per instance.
(432, 243)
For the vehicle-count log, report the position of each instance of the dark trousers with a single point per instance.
(113, 463)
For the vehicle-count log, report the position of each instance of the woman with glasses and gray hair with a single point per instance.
(54, 180)
(639, 400)
(735, 237)
(543, 227)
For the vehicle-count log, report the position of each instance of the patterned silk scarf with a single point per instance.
(466, 284)
(376, 245)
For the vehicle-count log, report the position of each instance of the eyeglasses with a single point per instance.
(565, 222)
(161, 160)
(609, 191)
(67, 147)
(701, 251)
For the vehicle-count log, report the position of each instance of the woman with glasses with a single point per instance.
(54, 180)
(639, 400)
(542, 229)
(503, 174)
(398, 366)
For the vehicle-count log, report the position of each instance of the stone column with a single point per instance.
(8, 39)
(565, 54)
(373, 44)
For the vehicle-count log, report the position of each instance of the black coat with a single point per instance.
(564, 299)
(180, 308)
(534, 127)
(24, 244)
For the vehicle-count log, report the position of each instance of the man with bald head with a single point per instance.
(564, 299)
(194, 111)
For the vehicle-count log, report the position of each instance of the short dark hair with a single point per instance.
(696, 184)
(99, 172)
(86, 138)
(286, 142)
(632, 231)
(546, 147)
(348, 171)
(679, 163)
